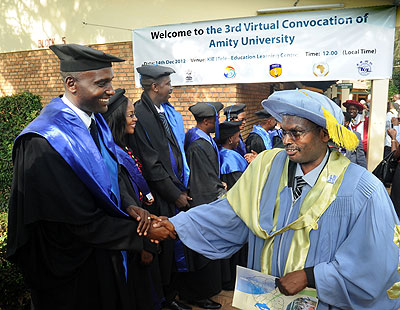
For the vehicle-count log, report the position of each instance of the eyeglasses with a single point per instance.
(133, 115)
(293, 134)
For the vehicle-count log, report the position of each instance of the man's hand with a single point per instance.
(395, 121)
(143, 217)
(146, 257)
(225, 185)
(183, 201)
(164, 222)
(158, 233)
(250, 156)
(292, 283)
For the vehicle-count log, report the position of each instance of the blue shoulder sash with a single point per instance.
(231, 161)
(137, 180)
(175, 121)
(68, 135)
(257, 129)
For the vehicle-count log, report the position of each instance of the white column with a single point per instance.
(377, 122)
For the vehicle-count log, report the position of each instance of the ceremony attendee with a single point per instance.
(205, 186)
(391, 113)
(310, 216)
(260, 138)
(143, 266)
(357, 156)
(203, 155)
(159, 141)
(232, 164)
(358, 123)
(236, 112)
(232, 167)
(71, 219)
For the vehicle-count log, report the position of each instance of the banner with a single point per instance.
(346, 44)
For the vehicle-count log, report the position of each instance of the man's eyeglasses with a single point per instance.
(293, 134)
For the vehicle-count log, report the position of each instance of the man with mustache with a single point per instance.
(71, 218)
(310, 216)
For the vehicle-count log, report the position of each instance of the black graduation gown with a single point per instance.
(254, 142)
(231, 178)
(66, 245)
(204, 187)
(204, 183)
(150, 143)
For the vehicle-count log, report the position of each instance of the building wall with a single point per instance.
(38, 72)
(36, 24)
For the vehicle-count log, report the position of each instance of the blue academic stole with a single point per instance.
(175, 122)
(138, 182)
(231, 161)
(257, 129)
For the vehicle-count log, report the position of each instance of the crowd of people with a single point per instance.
(115, 206)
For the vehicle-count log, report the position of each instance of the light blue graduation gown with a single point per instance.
(354, 257)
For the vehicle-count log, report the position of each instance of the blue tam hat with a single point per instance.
(314, 107)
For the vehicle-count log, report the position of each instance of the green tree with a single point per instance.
(15, 113)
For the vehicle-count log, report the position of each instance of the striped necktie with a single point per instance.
(165, 124)
(299, 187)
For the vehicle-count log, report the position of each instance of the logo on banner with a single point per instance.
(275, 70)
(230, 72)
(189, 77)
(364, 67)
(321, 69)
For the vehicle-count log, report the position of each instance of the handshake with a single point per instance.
(156, 228)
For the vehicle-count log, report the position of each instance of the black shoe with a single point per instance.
(206, 304)
(177, 305)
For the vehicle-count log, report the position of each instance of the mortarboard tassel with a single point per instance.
(340, 134)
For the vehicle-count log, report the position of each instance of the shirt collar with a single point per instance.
(312, 176)
(159, 109)
(86, 119)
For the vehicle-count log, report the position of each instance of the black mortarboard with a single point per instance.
(115, 101)
(233, 111)
(263, 114)
(206, 109)
(78, 58)
(154, 72)
(228, 129)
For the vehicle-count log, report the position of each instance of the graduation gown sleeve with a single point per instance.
(365, 264)
(213, 230)
(153, 168)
